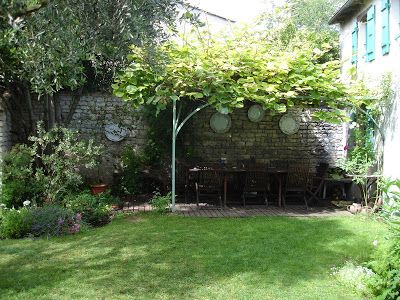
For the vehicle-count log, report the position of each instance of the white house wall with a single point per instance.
(374, 71)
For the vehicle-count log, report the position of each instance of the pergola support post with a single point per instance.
(175, 130)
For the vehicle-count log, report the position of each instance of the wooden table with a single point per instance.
(278, 173)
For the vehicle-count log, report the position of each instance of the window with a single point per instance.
(354, 43)
(385, 15)
(370, 34)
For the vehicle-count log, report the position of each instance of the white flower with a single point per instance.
(2, 206)
(26, 203)
(353, 125)
(375, 243)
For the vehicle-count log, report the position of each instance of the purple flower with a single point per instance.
(60, 221)
(78, 217)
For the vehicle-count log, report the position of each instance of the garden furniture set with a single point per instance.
(278, 181)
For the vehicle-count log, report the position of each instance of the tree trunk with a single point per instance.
(76, 97)
(57, 109)
(28, 99)
(51, 111)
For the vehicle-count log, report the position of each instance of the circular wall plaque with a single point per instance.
(255, 113)
(288, 124)
(220, 123)
(115, 132)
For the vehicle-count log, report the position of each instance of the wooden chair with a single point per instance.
(208, 182)
(296, 183)
(256, 181)
(316, 182)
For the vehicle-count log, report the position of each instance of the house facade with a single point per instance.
(370, 46)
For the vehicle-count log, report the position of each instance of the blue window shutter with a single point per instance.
(354, 43)
(370, 33)
(385, 11)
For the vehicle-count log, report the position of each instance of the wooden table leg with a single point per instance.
(324, 191)
(225, 188)
(280, 191)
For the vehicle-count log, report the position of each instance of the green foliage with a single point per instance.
(354, 277)
(313, 14)
(59, 41)
(386, 264)
(132, 165)
(53, 220)
(303, 23)
(48, 169)
(159, 203)
(157, 149)
(15, 224)
(390, 189)
(60, 154)
(18, 183)
(95, 209)
(227, 72)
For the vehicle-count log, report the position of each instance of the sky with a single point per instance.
(237, 10)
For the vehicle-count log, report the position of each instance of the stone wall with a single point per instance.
(314, 142)
(92, 113)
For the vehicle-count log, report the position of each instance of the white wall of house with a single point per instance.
(374, 71)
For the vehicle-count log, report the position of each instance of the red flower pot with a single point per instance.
(98, 188)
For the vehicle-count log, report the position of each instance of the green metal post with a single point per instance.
(173, 153)
(175, 131)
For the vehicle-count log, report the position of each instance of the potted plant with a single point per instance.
(98, 187)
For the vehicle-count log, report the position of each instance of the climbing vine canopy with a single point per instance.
(226, 72)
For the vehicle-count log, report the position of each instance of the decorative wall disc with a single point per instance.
(220, 123)
(288, 124)
(115, 132)
(255, 113)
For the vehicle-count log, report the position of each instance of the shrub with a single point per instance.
(131, 179)
(15, 223)
(386, 265)
(95, 210)
(59, 155)
(354, 277)
(18, 178)
(390, 189)
(54, 220)
(160, 203)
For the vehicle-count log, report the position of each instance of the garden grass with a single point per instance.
(150, 256)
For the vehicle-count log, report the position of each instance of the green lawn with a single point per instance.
(172, 257)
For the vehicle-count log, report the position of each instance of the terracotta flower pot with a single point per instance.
(98, 188)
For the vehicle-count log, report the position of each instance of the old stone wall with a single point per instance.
(314, 142)
(92, 114)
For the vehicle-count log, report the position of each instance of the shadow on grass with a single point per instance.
(178, 257)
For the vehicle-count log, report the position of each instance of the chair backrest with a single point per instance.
(279, 164)
(297, 176)
(256, 179)
(321, 169)
(209, 178)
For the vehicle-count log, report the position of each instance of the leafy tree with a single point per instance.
(48, 46)
(313, 14)
(304, 23)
